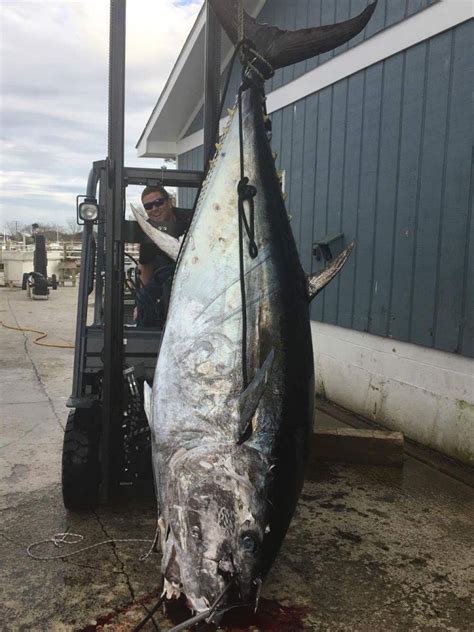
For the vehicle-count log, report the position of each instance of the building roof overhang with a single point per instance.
(182, 96)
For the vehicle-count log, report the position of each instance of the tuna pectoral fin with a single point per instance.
(250, 398)
(147, 393)
(168, 244)
(318, 281)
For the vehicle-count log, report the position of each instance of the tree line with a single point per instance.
(53, 232)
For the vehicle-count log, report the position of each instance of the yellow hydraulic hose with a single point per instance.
(37, 341)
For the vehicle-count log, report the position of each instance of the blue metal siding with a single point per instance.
(309, 177)
(190, 160)
(430, 189)
(391, 148)
(351, 186)
(385, 156)
(386, 192)
(455, 272)
(467, 310)
(414, 68)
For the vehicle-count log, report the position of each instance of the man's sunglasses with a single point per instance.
(158, 202)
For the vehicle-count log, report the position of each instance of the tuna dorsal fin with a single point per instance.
(319, 280)
(282, 48)
(165, 242)
(250, 398)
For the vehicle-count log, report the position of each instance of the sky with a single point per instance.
(54, 90)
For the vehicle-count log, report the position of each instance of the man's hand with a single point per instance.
(135, 314)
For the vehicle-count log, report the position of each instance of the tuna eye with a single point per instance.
(249, 543)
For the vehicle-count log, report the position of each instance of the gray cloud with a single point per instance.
(54, 90)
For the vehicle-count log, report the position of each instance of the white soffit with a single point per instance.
(182, 98)
(435, 19)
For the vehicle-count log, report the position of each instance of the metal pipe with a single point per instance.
(115, 207)
(100, 261)
(92, 181)
(81, 320)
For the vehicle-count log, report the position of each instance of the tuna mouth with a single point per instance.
(240, 594)
(232, 599)
(243, 591)
(213, 613)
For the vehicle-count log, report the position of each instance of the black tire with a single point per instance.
(81, 460)
(24, 281)
(54, 282)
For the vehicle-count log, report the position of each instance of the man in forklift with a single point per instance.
(156, 269)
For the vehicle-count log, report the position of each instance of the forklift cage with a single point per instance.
(108, 346)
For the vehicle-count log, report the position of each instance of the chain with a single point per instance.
(135, 431)
(240, 20)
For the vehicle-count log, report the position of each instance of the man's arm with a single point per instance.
(145, 261)
(146, 272)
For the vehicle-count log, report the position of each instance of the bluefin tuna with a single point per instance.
(231, 409)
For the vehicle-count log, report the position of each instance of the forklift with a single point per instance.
(107, 439)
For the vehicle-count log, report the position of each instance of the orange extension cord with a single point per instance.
(37, 341)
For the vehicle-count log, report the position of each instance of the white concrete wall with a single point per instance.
(426, 394)
(17, 262)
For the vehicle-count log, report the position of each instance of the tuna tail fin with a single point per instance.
(168, 244)
(282, 47)
(250, 398)
(318, 281)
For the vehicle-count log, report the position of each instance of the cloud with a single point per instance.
(54, 91)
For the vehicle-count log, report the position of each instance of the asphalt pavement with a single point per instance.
(370, 548)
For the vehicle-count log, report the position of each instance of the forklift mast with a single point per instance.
(109, 346)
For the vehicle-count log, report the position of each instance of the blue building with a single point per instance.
(375, 143)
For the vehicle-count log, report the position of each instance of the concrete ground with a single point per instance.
(370, 548)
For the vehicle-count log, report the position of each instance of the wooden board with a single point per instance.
(353, 445)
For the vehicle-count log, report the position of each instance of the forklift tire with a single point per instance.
(81, 462)
(54, 282)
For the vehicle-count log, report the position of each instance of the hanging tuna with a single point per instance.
(231, 411)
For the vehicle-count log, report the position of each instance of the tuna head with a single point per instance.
(214, 524)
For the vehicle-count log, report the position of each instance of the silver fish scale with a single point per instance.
(213, 493)
(199, 374)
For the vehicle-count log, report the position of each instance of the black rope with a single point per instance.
(127, 254)
(245, 193)
(238, 47)
(149, 616)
